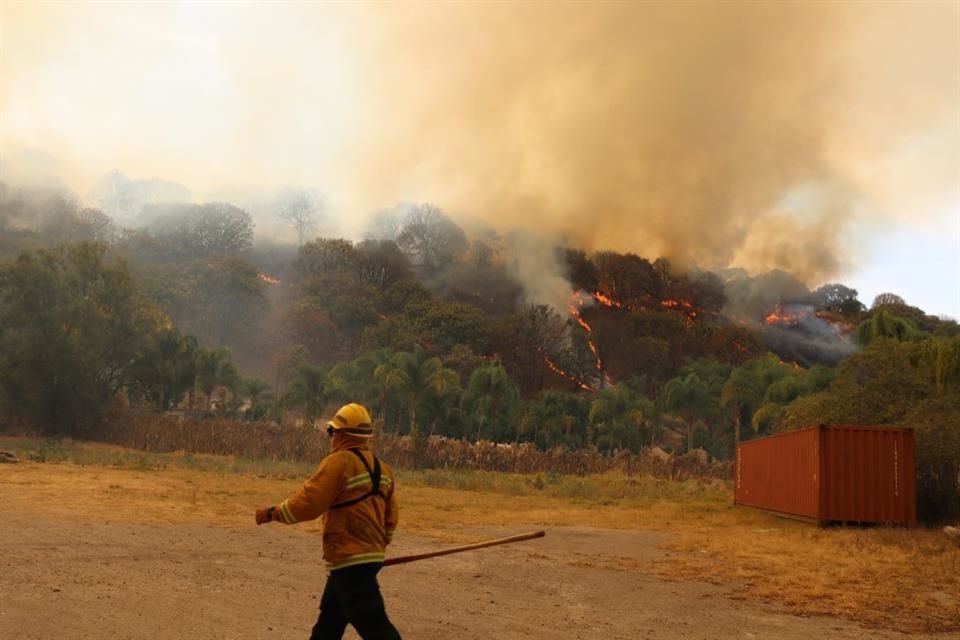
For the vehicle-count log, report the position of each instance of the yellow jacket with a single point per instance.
(356, 533)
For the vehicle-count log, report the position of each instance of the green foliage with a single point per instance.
(70, 325)
(215, 370)
(444, 325)
(431, 239)
(913, 384)
(165, 370)
(839, 299)
(259, 399)
(619, 418)
(414, 377)
(397, 323)
(490, 401)
(886, 325)
(557, 419)
(311, 389)
(199, 231)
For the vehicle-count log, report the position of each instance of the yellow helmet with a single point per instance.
(352, 419)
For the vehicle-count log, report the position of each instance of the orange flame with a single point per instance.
(576, 316)
(564, 374)
(607, 301)
(779, 316)
(794, 364)
(577, 301)
(267, 278)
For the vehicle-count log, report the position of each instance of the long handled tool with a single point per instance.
(467, 547)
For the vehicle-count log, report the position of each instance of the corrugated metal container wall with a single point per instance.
(837, 473)
(779, 473)
(868, 475)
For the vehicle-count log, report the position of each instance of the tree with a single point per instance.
(124, 199)
(302, 210)
(441, 326)
(166, 369)
(837, 298)
(619, 418)
(260, 399)
(581, 271)
(70, 326)
(628, 278)
(526, 339)
(689, 397)
(228, 299)
(353, 381)
(431, 239)
(412, 376)
(884, 299)
(192, 231)
(490, 400)
(381, 263)
(215, 369)
(912, 383)
(323, 256)
(386, 224)
(556, 419)
(486, 249)
(222, 228)
(886, 325)
(101, 227)
(310, 389)
(742, 392)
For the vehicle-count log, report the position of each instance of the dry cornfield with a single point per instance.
(267, 441)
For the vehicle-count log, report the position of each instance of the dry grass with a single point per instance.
(898, 579)
(901, 579)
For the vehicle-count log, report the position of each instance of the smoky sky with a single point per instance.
(716, 133)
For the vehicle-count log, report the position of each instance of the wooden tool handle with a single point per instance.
(467, 547)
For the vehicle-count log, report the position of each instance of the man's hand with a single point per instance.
(264, 515)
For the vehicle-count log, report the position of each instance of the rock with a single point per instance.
(8, 456)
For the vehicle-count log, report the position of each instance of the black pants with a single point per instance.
(352, 596)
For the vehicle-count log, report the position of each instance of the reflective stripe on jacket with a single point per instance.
(357, 533)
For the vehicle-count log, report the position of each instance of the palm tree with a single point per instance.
(621, 415)
(491, 396)
(413, 375)
(556, 418)
(214, 369)
(354, 381)
(310, 389)
(741, 394)
(260, 396)
(687, 396)
(166, 369)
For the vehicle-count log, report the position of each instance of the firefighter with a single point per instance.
(355, 493)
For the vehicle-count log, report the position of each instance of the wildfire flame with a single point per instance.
(606, 300)
(577, 301)
(794, 364)
(782, 317)
(564, 374)
(267, 278)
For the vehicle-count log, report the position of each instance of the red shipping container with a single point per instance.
(831, 473)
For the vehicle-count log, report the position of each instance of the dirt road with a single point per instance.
(63, 577)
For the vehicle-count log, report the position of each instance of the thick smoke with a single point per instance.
(714, 133)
